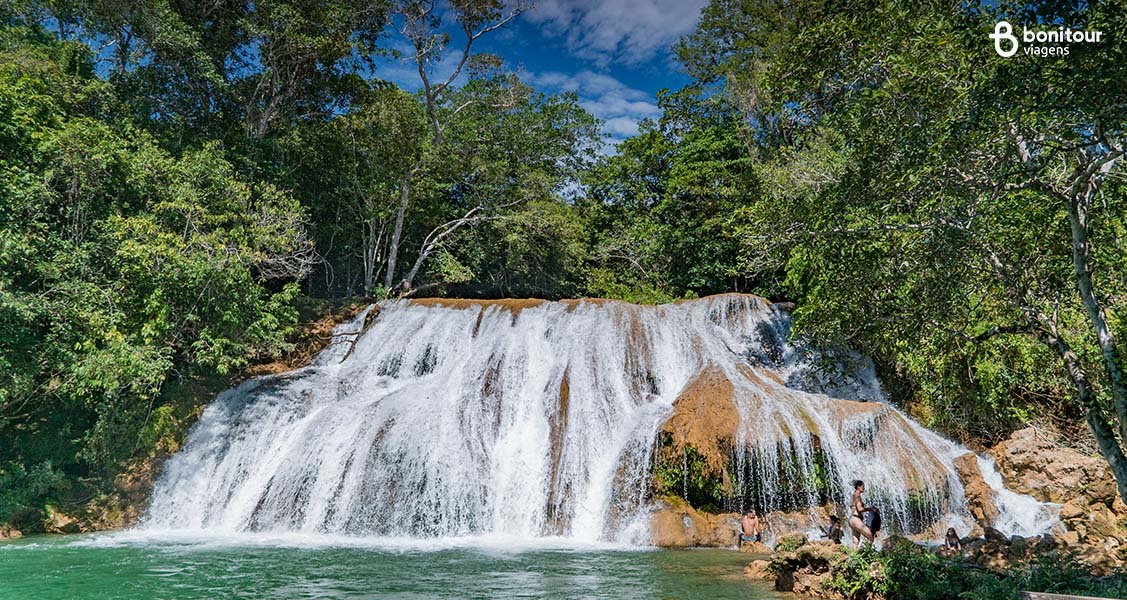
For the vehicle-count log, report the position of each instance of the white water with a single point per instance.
(443, 422)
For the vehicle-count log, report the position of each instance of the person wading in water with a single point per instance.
(857, 518)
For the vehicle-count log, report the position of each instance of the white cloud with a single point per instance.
(608, 31)
(619, 106)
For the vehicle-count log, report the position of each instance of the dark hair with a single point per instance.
(857, 483)
(951, 531)
(834, 519)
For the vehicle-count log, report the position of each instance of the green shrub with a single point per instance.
(860, 575)
(790, 543)
(908, 572)
(23, 492)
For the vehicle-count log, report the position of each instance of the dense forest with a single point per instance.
(180, 180)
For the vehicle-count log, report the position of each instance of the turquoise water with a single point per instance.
(130, 566)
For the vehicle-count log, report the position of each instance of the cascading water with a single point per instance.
(528, 418)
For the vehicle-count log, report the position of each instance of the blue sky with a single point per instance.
(613, 53)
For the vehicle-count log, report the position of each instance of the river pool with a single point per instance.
(154, 565)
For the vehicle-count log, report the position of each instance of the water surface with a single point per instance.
(128, 566)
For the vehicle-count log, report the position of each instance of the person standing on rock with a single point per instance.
(857, 519)
(749, 528)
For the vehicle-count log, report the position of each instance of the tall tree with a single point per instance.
(932, 196)
(421, 25)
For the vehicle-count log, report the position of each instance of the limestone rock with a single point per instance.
(805, 569)
(1030, 463)
(755, 548)
(681, 526)
(59, 522)
(759, 569)
(979, 495)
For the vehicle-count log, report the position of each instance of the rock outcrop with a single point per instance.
(979, 495)
(759, 570)
(1094, 517)
(1032, 463)
(677, 525)
(706, 418)
(806, 568)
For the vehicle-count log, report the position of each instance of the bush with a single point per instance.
(23, 492)
(908, 572)
(860, 575)
(1062, 574)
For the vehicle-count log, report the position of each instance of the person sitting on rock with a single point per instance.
(834, 531)
(749, 527)
(857, 519)
(951, 544)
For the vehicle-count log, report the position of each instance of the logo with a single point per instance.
(1003, 31)
(1040, 42)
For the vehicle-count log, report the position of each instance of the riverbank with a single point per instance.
(904, 569)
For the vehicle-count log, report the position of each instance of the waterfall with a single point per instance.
(527, 418)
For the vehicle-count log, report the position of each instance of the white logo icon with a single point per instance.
(1004, 31)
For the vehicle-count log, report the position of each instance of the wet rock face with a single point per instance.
(980, 498)
(681, 526)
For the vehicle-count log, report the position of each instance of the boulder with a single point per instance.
(1031, 463)
(755, 548)
(781, 524)
(980, 497)
(1019, 547)
(678, 525)
(993, 536)
(805, 569)
(7, 532)
(59, 522)
(1068, 538)
(759, 569)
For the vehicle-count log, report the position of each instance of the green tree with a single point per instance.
(663, 210)
(932, 197)
(122, 268)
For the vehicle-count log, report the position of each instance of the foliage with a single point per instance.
(23, 491)
(660, 212)
(860, 575)
(173, 176)
(935, 205)
(121, 266)
(789, 543)
(684, 473)
(907, 572)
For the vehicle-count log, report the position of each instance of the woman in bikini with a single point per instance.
(857, 518)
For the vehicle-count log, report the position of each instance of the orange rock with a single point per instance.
(759, 569)
(682, 526)
(979, 495)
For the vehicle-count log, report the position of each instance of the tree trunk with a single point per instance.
(373, 239)
(1109, 348)
(1046, 330)
(1101, 429)
(397, 233)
